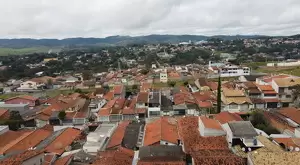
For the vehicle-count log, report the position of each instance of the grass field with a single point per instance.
(277, 70)
(21, 51)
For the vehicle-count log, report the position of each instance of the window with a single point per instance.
(154, 113)
(280, 96)
(281, 90)
(288, 96)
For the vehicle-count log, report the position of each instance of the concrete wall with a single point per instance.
(283, 64)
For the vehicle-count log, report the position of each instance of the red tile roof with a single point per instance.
(217, 157)
(143, 97)
(118, 89)
(118, 106)
(104, 112)
(109, 95)
(292, 113)
(288, 142)
(11, 137)
(31, 140)
(145, 87)
(205, 104)
(265, 87)
(193, 141)
(182, 98)
(62, 141)
(121, 156)
(4, 114)
(161, 163)
(275, 100)
(210, 123)
(212, 85)
(225, 117)
(63, 160)
(164, 129)
(20, 158)
(141, 110)
(117, 137)
(26, 97)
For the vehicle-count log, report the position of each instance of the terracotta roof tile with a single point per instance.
(288, 142)
(212, 85)
(26, 97)
(4, 114)
(162, 163)
(217, 157)
(210, 123)
(118, 89)
(109, 95)
(121, 156)
(164, 129)
(11, 137)
(193, 141)
(145, 87)
(265, 87)
(143, 97)
(292, 113)
(117, 137)
(141, 110)
(63, 140)
(63, 160)
(19, 158)
(31, 140)
(118, 106)
(225, 117)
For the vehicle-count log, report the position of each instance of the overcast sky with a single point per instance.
(101, 18)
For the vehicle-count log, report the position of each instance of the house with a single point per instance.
(119, 91)
(229, 70)
(104, 113)
(162, 131)
(284, 88)
(116, 110)
(96, 140)
(205, 101)
(154, 103)
(29, 86)
(21, 108)
(202, 84)
(142, 100)
(116, 138)
(242, 133)
(210, 127)
(133, 135)
(120, 156)
(27, 157)
(235, 100)
(96, 104)
(24, 99)
(225, 117)
(160, 155)
(269, 96)
(163, 77)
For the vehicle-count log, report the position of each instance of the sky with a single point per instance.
(102, 18)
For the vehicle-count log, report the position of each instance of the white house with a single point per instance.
(210, 127)
(29, 86)
(163, 77)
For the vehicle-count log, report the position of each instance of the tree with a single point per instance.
(106, 88)
(86, 75)
(144, 71)
(62, 115)
(78, 90)
(49, 83)
(219, 101)
(296, 93)
(171, 83)
(134, 88)
(186, 83)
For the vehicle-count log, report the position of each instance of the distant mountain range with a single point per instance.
(114, 40)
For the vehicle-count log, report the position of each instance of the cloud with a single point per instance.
(100, 18)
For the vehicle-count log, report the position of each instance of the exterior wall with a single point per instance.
(129, 117)
(234, 72)
(103, 118)
(242, 79)
(37, 160)
(209, 132)
(141, 105)
(153, 109)
(20, 101)
(163, 77)
(79, 121)
(41, 123)
(228, 131)
(162, 142)
(284, 64)
(297, 132)
(239, 108)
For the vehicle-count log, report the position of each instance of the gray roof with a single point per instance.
(131, 135)
(154, 97)
(242, 129)
(164, 152)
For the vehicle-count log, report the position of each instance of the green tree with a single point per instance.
(296, 94)
(219, 100)
(106, 88)
(186, 83)
(86, 75)
(62, 115)
(171, 83)
(134, 88)
(144, 71)
(49, 83)
(78, 90)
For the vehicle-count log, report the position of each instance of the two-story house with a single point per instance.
(235, 100)
(284, 88)
(154, 103)
(269, 96)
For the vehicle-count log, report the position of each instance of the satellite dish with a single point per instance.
(291, 148)
(297, 149)
(249, 149)
(243, 149)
